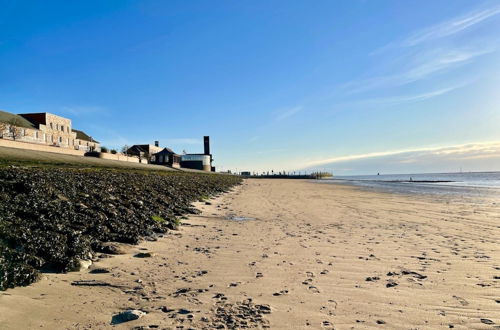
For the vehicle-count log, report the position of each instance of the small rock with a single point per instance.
(114, 248)
(85, 264)
(145, 255)
(184, 311)
(126, 316)
(99, 271)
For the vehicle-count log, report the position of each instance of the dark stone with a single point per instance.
(126, 316)
(99, 271)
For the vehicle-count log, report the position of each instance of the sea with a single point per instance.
(466, 184)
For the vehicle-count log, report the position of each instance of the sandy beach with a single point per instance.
(311, 256)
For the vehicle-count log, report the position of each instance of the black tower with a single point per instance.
(206, 143)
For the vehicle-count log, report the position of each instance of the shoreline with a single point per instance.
(320, 256)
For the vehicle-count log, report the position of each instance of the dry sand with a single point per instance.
(431, 264)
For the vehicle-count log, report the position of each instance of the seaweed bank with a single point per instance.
(55, 219)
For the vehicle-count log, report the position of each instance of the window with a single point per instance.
(62, 128)
(60, 139)
(36, 135)
(51, 126)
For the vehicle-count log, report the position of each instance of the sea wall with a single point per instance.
(39, 147)
(117, 156)
(53, 218)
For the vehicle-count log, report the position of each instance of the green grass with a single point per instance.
(159, 219)
(40, 159)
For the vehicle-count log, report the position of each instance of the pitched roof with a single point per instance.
(7, 117)
(81, 135)
(149, 148)
(167, 151)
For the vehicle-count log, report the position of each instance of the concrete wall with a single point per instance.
(120, 157)
(39, 147)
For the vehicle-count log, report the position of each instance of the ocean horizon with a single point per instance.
(477, 184)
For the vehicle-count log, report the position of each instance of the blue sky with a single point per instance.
(354, 86)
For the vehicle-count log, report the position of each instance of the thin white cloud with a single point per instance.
(483, 150)
(408, 98)
(450, 27)
(423, 65)
(442, 60)
(288, 113)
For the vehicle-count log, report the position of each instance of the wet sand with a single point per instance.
(319, 255)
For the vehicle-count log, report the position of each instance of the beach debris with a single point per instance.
(95, 283)
(238, 218)
(244, 314)
(126, 316)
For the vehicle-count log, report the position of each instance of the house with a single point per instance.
(167, 157)
(144, 151)
(44, 128)
(85, 142)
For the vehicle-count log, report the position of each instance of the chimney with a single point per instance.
(157, 143)
(206, 143)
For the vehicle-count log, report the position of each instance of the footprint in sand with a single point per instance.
(313, 289)
(461, 300)
(280, 293)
